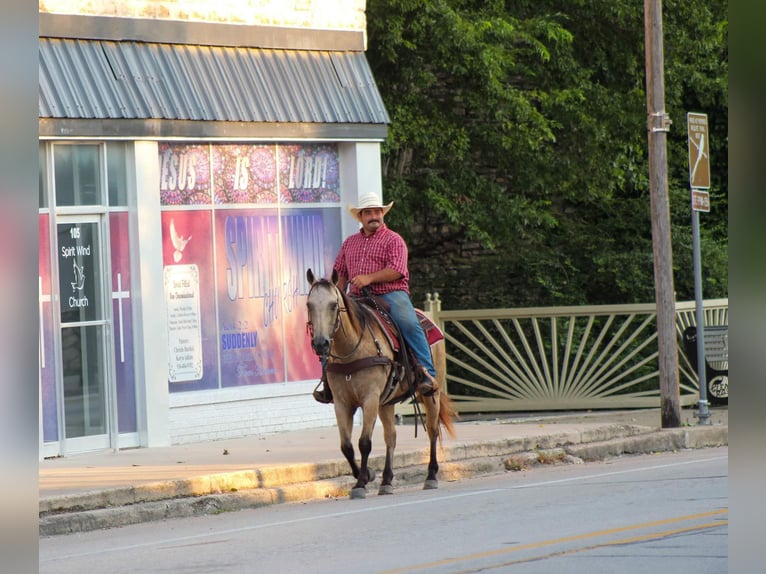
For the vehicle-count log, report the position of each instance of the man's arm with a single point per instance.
(381, 276)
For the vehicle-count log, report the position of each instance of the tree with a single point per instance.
(517, 150)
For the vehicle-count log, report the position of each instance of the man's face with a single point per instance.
(372, 219)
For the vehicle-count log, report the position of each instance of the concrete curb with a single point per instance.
(259, 487)
(666, 440)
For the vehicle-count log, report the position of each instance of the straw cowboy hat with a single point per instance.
(368, 201)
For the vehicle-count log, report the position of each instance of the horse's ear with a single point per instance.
(334, 277)
(310, 276)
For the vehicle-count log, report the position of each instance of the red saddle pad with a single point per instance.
(433, 333)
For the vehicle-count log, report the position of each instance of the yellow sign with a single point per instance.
(699, 151)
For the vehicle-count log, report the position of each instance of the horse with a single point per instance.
(360, 361)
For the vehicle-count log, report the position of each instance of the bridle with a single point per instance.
(341, 308)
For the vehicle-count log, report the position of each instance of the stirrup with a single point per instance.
(324, 394)
(427, 385)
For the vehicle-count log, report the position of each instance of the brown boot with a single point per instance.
(322, 393)
(427, 385)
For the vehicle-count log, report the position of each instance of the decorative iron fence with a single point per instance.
(560, 358)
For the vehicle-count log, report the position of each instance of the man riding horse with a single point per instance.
(376, 258)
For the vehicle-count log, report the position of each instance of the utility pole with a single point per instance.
(658, 124)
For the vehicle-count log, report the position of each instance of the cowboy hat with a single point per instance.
(368, 200)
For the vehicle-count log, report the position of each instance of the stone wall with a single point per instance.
(315, 14)
(445, 262)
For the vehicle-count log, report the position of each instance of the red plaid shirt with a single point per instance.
(361, 254)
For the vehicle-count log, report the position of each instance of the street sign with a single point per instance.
(699, 148)
(700, 200)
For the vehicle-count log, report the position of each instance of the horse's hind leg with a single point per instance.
(389, 434)
(432, 405)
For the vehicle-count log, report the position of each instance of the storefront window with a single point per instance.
(77, 175)
(89, 243)
(267, 212)
(116, 174)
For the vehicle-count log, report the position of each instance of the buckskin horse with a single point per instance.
(363, 371)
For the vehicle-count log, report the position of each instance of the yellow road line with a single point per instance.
(644, 538)
(544, 543)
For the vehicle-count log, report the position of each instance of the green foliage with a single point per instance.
(517, 153)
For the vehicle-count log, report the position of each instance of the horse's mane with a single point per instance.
(355, 311)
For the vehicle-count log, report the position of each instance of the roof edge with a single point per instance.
(207, 130)
(200, 33)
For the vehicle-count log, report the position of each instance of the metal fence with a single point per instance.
(556, 358)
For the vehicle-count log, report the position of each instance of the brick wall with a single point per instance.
(317, 14)
(194, 420)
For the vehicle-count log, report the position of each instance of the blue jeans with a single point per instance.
(403, 312)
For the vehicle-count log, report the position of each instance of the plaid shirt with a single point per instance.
(361, 254)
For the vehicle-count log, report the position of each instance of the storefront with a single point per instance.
(186, 185)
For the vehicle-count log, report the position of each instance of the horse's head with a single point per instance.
(324, 304)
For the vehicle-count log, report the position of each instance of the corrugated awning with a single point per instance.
(94, 84)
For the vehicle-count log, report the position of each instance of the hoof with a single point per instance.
(358, 493)
(386, 489)
(431, 485)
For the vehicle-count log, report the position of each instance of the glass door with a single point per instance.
(84, 320)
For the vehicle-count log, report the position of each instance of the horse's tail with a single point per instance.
(447, 414)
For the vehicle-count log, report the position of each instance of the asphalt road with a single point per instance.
(633, 514)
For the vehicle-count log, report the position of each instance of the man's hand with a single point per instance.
(361, 281)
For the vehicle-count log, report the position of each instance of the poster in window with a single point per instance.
(184, 174)
(249, 297)
(79, 272)
(310, 239)
(184, 323)
(122, 314)
(244, 174)
(309, 173)
(188, 260)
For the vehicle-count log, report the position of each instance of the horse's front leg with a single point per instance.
(366, 474)
(345, 419)
(389, 434)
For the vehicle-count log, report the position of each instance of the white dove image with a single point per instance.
(179, 243)
(79, 277)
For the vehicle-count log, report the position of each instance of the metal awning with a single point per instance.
(141, 89)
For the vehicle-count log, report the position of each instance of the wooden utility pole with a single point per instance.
(658, 124)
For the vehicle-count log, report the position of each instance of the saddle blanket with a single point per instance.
(432, 331)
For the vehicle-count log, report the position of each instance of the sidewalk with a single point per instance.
(105, 489)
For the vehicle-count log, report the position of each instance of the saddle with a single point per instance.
(404, 361)
(380, 311)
